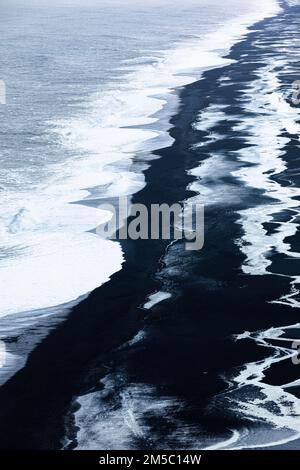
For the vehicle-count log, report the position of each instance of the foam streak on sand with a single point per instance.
(273, 407)
(272, 117)
(270, 125)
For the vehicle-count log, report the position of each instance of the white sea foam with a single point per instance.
(266, 125)
(116, 417)
(106, 420)
(274, 407)
(266, 130)
(265, 133)
(130, 415)
(210, 186)
(31, 220)
(293, 2)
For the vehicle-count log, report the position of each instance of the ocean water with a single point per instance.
(78, 76)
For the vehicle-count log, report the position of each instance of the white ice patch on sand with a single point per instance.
(156, 298)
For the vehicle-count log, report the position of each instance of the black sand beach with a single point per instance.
(187, 355)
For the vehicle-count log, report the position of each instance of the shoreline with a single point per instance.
(90, 338)
(239, 28)
(27, 224)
